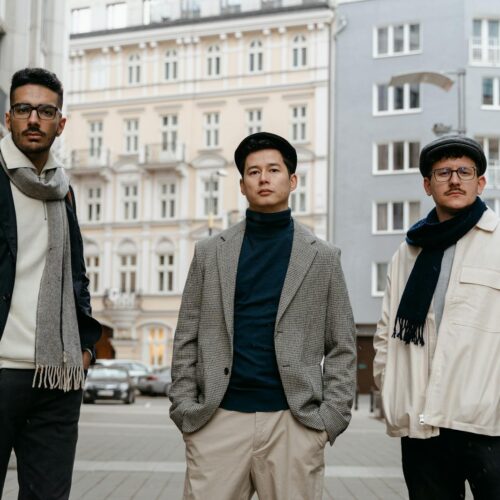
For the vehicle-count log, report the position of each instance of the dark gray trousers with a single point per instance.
(437, 468)
(41, 426)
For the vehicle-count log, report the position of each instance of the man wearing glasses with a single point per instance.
(437, 343)
(46, 331)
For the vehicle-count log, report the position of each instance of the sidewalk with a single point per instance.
(135, 452)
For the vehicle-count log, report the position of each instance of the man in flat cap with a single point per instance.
(263, 367)
(437, 343)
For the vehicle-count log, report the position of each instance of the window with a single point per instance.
(213, 61)
(166, 272)
(116, 15)
(397, 156)
(379, 278)
(132, 136)
(95, 139)
(400, 99)
(169, 133)
(93, 272)
(395, 216)
(130, 201)
(485, 42)
(157, 342)
(146, 11)
(491, 146)
(190, 9)
(493, 203)
(168, 200)
(256, 57)
(211, 196)
(211, 127)
(230, 6)
(254, 121)
(134, 69)
(491, 94)
(128, 273)
(94, 203)
(299, 52)
(299, 123)
(298, 198)
(171, 65)
(80, 20)
(397, 40)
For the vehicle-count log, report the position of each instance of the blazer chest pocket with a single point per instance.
(478, 298)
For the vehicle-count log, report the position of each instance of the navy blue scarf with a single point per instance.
(434, 238)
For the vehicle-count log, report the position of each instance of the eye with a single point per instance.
(443, 172)
(23, 108)
(47, 111)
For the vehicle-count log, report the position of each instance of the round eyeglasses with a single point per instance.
(44, 111)
(444, 174)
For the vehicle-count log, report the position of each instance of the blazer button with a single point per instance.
(226, 371)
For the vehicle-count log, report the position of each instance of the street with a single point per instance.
(135, 452)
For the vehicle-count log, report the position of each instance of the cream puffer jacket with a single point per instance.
(453, 381)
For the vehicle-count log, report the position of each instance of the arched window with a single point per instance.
(171, 64)
(213, 61)
(256, 57)
(127, 267)
(299, 51)
(134, 69)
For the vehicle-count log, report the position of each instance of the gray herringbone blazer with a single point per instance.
(314, 321)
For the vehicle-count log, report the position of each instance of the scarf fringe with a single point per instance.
(65, 378)
(408, 331)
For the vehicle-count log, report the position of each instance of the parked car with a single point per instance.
(109, 382)
(135, 368)
(156, 383)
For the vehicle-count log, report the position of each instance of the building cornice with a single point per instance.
(201, 97)
(189, 30)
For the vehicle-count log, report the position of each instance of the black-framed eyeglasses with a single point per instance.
(44, 111)
(444, 174)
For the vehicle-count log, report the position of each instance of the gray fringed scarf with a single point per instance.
(58, 355)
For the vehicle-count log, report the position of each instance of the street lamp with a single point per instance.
(211, 198)
(444, 82)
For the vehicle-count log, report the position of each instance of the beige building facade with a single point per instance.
(159, 94)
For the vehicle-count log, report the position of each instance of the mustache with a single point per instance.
(455, 191)
(33, 129)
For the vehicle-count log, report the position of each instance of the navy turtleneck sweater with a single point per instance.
(255, 383)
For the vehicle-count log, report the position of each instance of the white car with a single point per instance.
(136, 369)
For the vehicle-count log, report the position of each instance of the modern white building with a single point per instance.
(159, 96)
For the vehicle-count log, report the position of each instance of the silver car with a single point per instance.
(156, 383)
(135, 368)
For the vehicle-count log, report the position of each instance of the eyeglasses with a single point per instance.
(444, 174)
(44, 111)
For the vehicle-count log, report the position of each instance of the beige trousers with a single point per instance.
(236, 454)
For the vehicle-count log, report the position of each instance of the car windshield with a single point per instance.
(107, 373)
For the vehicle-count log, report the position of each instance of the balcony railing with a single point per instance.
(493, 175)
(90, 158)
(485, 51)
(163, 153)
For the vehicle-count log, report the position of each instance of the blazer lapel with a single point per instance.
(228, 254)
(7, 210)
(301, 258)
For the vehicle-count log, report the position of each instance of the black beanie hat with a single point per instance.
(439, 148)
(265, 140)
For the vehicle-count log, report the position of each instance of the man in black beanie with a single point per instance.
(437, 344)
(263, 370)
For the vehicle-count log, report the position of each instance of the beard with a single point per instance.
(28, 147)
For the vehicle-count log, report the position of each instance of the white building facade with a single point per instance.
(159, 96)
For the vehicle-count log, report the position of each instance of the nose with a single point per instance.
(263, 177)
(454, 178)
(33, 117)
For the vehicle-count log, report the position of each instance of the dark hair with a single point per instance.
(254, 145)
(37, 76)
(451, 153)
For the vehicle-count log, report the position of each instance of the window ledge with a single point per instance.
(398, 112)
(398, 54)
(396, 172)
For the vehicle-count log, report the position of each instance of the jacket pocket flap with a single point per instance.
(480, 276)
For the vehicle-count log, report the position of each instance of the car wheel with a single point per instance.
(89, 401)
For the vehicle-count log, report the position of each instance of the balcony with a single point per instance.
(162, 155)
(484, 51)
(493, 175)
(90, 158)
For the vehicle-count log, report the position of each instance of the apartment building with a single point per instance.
(31, 34)
(159, 96)
(380, 127)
